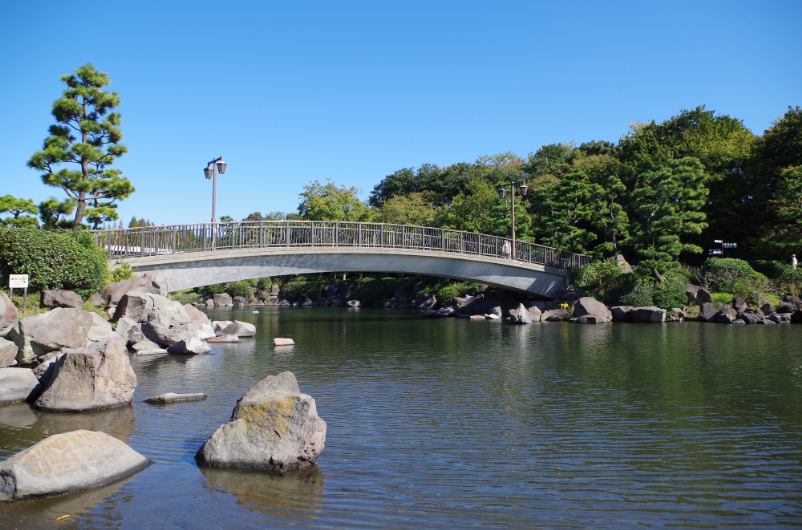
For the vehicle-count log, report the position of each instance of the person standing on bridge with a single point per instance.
(506, 249)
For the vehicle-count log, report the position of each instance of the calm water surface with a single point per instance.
(435, 423)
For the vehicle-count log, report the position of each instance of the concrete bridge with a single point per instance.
(205, 254)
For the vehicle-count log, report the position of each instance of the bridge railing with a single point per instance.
(206, 237)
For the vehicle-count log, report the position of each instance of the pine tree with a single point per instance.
(83, 111)
(564, 210)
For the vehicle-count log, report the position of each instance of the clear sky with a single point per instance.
(291, 92)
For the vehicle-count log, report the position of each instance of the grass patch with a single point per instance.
(722, 298)
(186, 297)
(773, 299)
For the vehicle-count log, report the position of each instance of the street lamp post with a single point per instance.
(211, 173)
(501, 192)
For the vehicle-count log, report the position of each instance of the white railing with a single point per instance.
(210, 237)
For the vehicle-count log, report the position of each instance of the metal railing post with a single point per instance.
(336, 234)
(142, 246)
(109, 243)
(287, 234)
(313, 233)
(381, 235)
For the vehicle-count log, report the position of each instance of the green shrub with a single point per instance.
(120, 273)
(53, 260)
(216, 288)
(669, 294)
(602, 277)
(373, 290)
(240, 288)
(638, 294)
(264, 284)
(299, 288)
(445, 290)
(734, 276)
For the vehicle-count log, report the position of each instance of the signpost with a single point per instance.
(19, 281)
(723, 245)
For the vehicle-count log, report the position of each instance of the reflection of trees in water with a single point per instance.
(294, 495)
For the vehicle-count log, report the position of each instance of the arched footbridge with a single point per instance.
(204, 254)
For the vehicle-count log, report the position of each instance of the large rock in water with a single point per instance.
(54, 330)
(708, 312)
(240, 329)
(93, 378)
(8, 313)
(273, 428)
(590, 306)
(16, 384)
(647, 314)
(201, 322)
(67, 462)
(520, 315)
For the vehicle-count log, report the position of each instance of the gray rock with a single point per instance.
(739, 305)
(489, 307)
(708, 312)
(534, 310)
(171, 397)
(154, 351)
(749, 318)
(352, 303)
(130, 331)
(588, 319)
(766, 322)
(209, 303)
(331, 289)
(399, 293)
(274, 290)
(220, 325)
(190, 346)
(145, 345)
(738, 321)
(67, 462)
(590, 306)
(442, 312)
(520, 315)
(280, 341)
(96, 299)
(239, 301)
(273, 428)
(46, 368)
(223, 339)
(785, 307)
(134, 305)
(61, 298)
(113, 292)
(240, 329)
(389, 303)
(17, 384)
(622, 263)
(698, 295)
(201, 322)
(101, 330)
(766, 309)
(621, 313)
(795, 302)
(223, 300)
(8, 353)
(165, 336)
(283, 302)
(553, 315)
(648, 314)
(8, 313)
(425, 301)
(726, 315)
(262, 295)
(93, 378)
(780, 318)
(46, 332)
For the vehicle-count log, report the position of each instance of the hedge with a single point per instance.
(53, 260)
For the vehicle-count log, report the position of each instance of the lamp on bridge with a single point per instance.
(211, 170)
(501, 193)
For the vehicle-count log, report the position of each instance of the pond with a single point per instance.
(458, 423)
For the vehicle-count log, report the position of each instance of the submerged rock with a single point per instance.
(67, 462)
(190, 346)
(283, 342)
(273, 428)
(171, 397)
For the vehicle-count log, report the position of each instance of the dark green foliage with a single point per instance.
(18, 208)
(734, 276)
(301, 287)
(216, 288)
(264, 284)
(669, 294)
(603, 277)
(563, 210)
(52, 260)
(638, 294)
(240, 288)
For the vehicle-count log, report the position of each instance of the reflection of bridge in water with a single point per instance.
(204, 254)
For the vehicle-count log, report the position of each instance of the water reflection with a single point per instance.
(294, 495)
(17, 415)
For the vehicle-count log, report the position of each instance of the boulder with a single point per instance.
(766, 309)
(590, 306)
(398, 294)
(749, 318)
(101, 330)
(135, 305)
(766, 322)
(569, 296)
(272, 300)
(46, 332)
(283, 342)
(223, 339)
(274, 427)
(61, 298)
(113, 292)
(425, 301)
(796, 318)
(648, 314)
(553, 315)
(738, 321)
(154, 351)
(274, 290)
(795, 302)
(739, 305)
(780, 318)
(488, 307)
(239, 301)
(240, 329)
(223, 300)
(726, 315)
(145, 345)
(330, 289)
(352, 303)
(67, 462)
(129, 331)
(209, 303)
(190, 346)
(621, 313)
(588, 319)
(220, 325)
(171, 397)
(622, 263)
(262, 294)
(698, 295)
(201, 322)
(534, 310)
(708, 312)
(8, 353)
(478, 317)
(8, 313)
(785, 307)
(167, 336)
(96, 300)
(93, 378)
(442, 312)
(17, 384)
(520, 315)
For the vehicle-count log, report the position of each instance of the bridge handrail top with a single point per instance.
(294, 221)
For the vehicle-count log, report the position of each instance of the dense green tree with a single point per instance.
(609, 218)
(563, 211)
(789, 199)
(84, 111)
(51, 210)
(665, 206)
(413, 209)
(549, 164)
(224, 219)
(18, 208)
(329, 202)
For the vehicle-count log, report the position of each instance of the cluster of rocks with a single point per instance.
(274, 427)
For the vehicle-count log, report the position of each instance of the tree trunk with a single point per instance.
(79, 212)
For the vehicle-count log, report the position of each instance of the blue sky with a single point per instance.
(297, 91)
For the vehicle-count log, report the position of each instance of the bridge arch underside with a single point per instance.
(198, 270)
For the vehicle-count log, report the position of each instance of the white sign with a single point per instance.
(16, 281)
